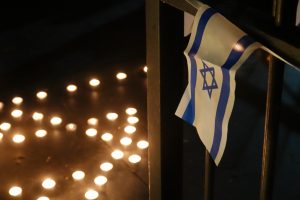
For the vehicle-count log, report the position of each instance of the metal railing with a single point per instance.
(164, 60)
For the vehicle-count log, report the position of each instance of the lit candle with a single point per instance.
(92, 121)
(132, 120)
(106, 166)
(71, 127)
(145, 69)
(55, 121)
(43, 198)
(112, 116)
(94, 82)
(131, 111)
(15, 191)
(48, 183)
(5, 126)
(18, 138)
(143, 144)
(91, 132)
(121, 75)
(17, 100)
(129, 129)
(107, 137)
(41, 133)
(78, 175)
(117, 154)
(100, 180)
(71, 88)
(41, 95)
(37, 116)
(1, 105)
(1, 136)
(134, 158)
(91, 194)
(126, 141)
(16, 113)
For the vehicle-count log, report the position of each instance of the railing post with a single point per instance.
(274, 90)
(275, 79)
(208, 177)
(165, 78)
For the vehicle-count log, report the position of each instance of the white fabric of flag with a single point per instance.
(215, 52)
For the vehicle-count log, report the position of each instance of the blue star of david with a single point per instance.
(211, 72)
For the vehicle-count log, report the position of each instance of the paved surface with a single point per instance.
(49, 52)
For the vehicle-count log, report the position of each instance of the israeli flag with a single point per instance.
(215, 52)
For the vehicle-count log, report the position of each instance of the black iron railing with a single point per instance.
(164, 26)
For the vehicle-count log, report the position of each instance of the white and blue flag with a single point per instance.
(215, 52)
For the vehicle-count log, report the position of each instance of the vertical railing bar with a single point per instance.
(153, 98)
(275, 79)
(164, 60)
(274, 90)
(208, 176)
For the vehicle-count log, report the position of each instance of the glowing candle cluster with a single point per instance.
(124, 151)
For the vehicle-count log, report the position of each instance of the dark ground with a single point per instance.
(47, 49)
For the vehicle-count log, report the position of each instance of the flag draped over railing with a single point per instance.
(215, 52)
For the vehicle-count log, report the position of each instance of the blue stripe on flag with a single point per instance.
(189, 113)
(234, 56)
